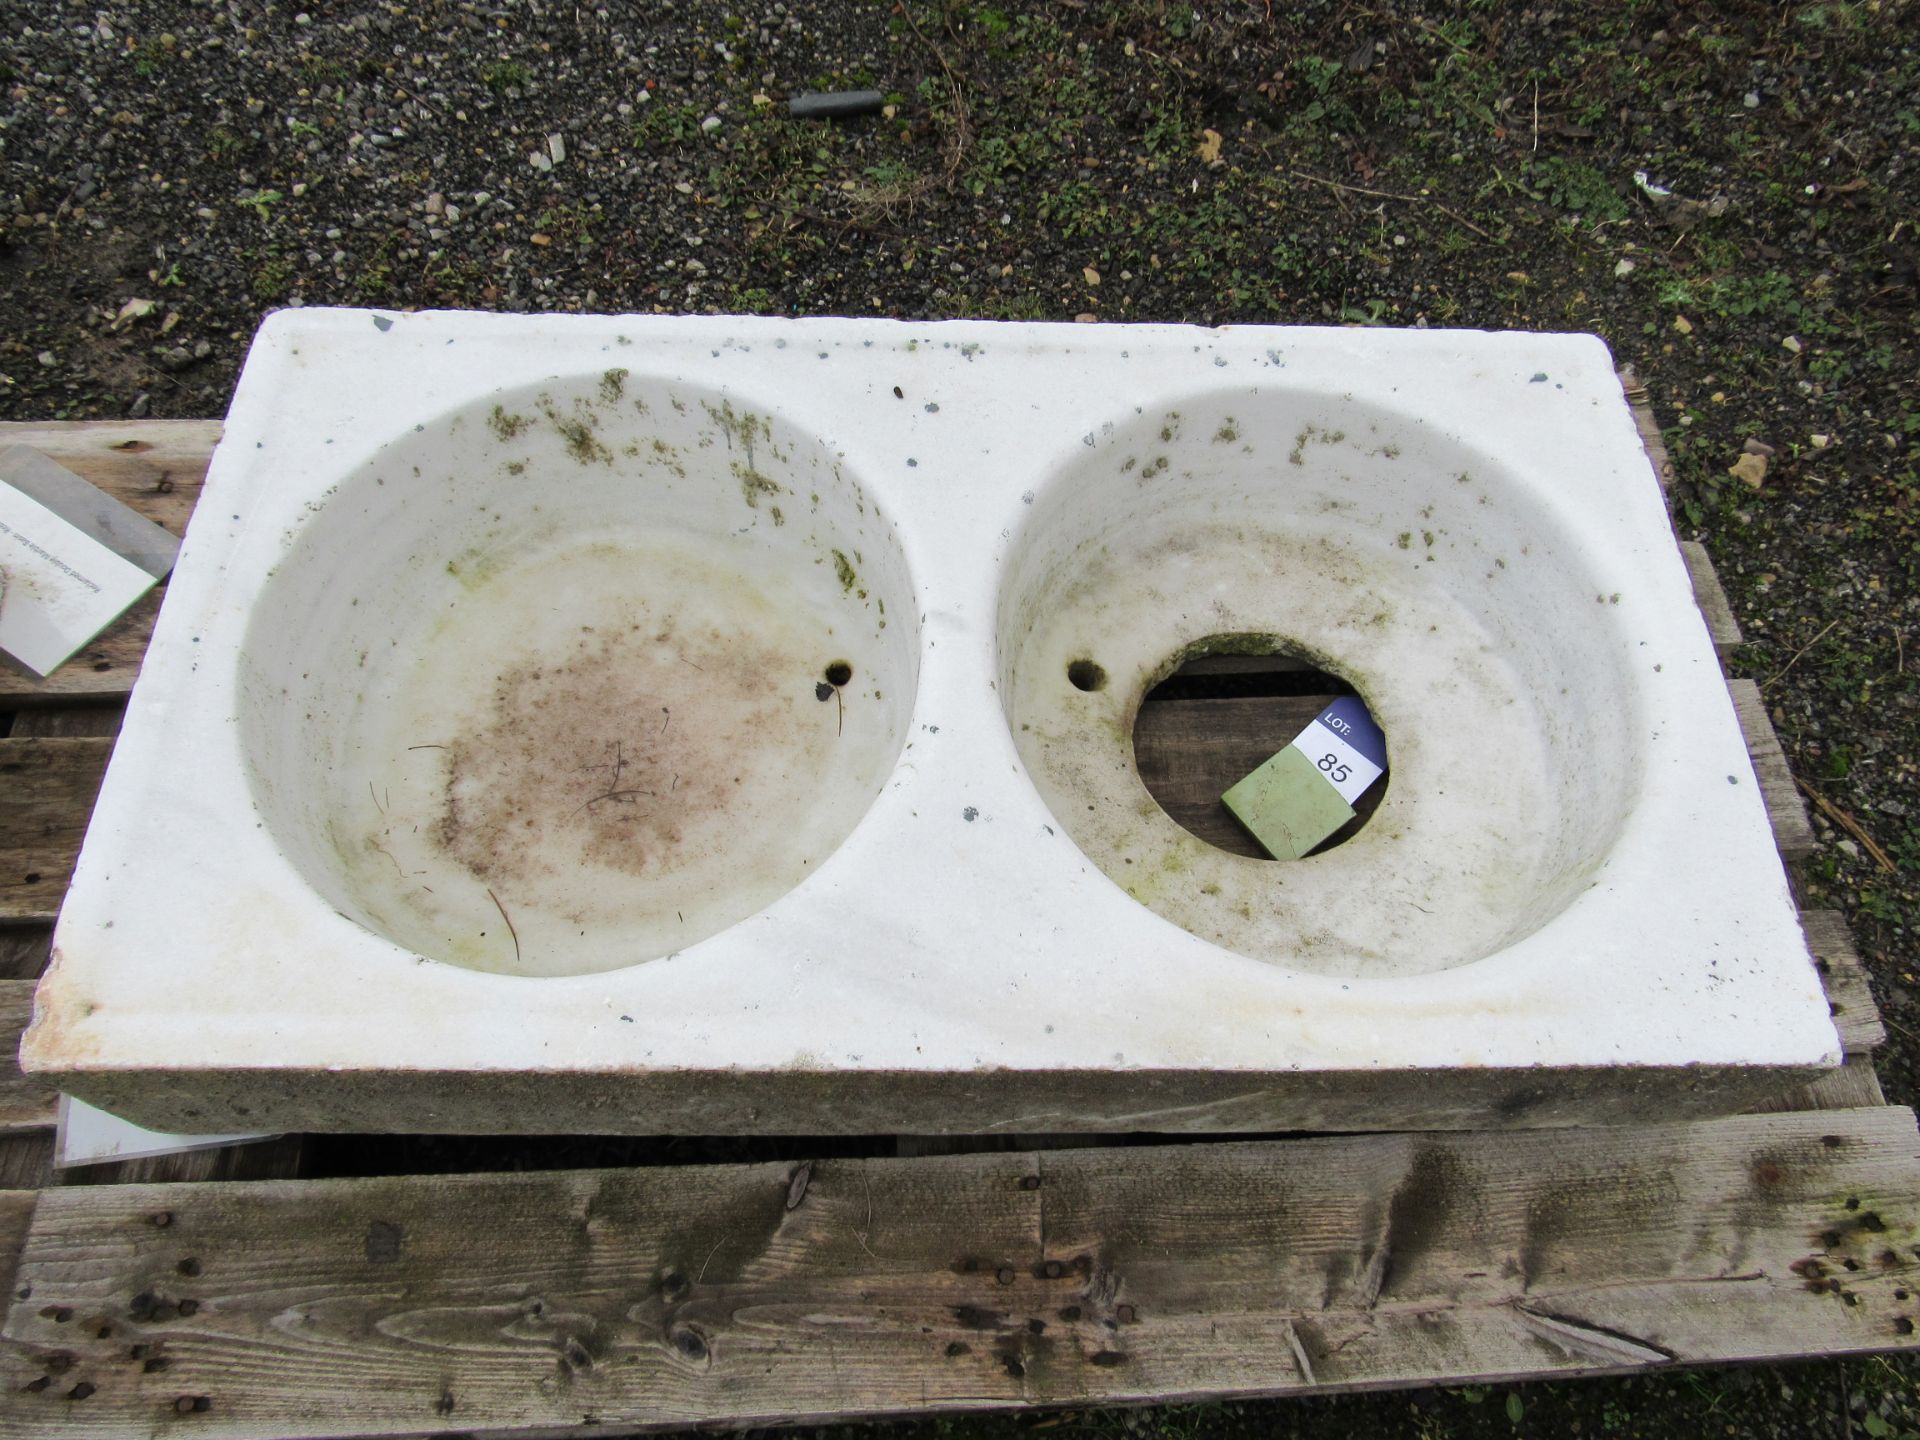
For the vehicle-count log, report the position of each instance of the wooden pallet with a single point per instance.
(234, 1293)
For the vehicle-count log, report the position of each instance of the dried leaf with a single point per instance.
(135, 309)
(1749, 470)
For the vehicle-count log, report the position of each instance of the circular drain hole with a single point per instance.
(1221, 713)
(1085, 675)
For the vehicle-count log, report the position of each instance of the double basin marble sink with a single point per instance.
(724, 725)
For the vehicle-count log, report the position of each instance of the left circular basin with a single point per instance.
(574, 676)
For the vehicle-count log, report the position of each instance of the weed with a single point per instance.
(503, 75)
(1570, 185)
(566, 224)
(675, 124)
(148, 57)
(1169, 131)
(272, 276)
(1075, 208)
(261, 202)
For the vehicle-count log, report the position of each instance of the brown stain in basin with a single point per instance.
(635, 751)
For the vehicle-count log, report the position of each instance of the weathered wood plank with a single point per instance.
(1849, 991)
(1851, 1087)
(46, 797)
(561, 1302)
(1244, 665)
(24, 1103)
(16, 1217)
(1711, 597)
(26, 1160)
(65, 722)
(1183, 748)
(23, 955)
(154, 466)
(1791, 831)
(1189, 752)
(1651, 439)
(277, 1159)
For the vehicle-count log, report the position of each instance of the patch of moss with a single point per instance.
(505, 426)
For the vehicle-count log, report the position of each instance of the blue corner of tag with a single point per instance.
(1349, 718)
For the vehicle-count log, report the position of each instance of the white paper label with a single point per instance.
(1346, 768)
(1346, 746)
(58, 586)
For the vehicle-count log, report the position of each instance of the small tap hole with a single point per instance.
(1085, 675)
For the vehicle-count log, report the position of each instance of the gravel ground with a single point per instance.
(169, 171)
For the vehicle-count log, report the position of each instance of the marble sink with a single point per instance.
(722, 725)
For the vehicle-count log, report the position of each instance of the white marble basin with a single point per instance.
(639, 724)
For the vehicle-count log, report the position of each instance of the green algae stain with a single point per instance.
(848, 576)
(577, 432)
(753, 484)
(505, 426)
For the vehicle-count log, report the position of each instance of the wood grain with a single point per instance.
(26, 1163)
(561, 1302)
(1791, 831)
(23, 952)
(16, 1217)
(24, 1103)
(278, 1158)
(154, 466)
(1651, 440)
(67, 721)
(1849, 992)
(1189, 751)
(1711, 597)
(46, 797)
(1851, 1087)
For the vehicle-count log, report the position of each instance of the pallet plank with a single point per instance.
(1183, 748)
(549, 1303)
(64, 722)
(1853, 1086)
(23, 953)
(1711, 597)
(1655, 444)
(279, 1158)
(16, 1218)
(154, 466)
(1849, 991)
(24, 1103)
(1791, 831)
(47, 788)
(26, 1163)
